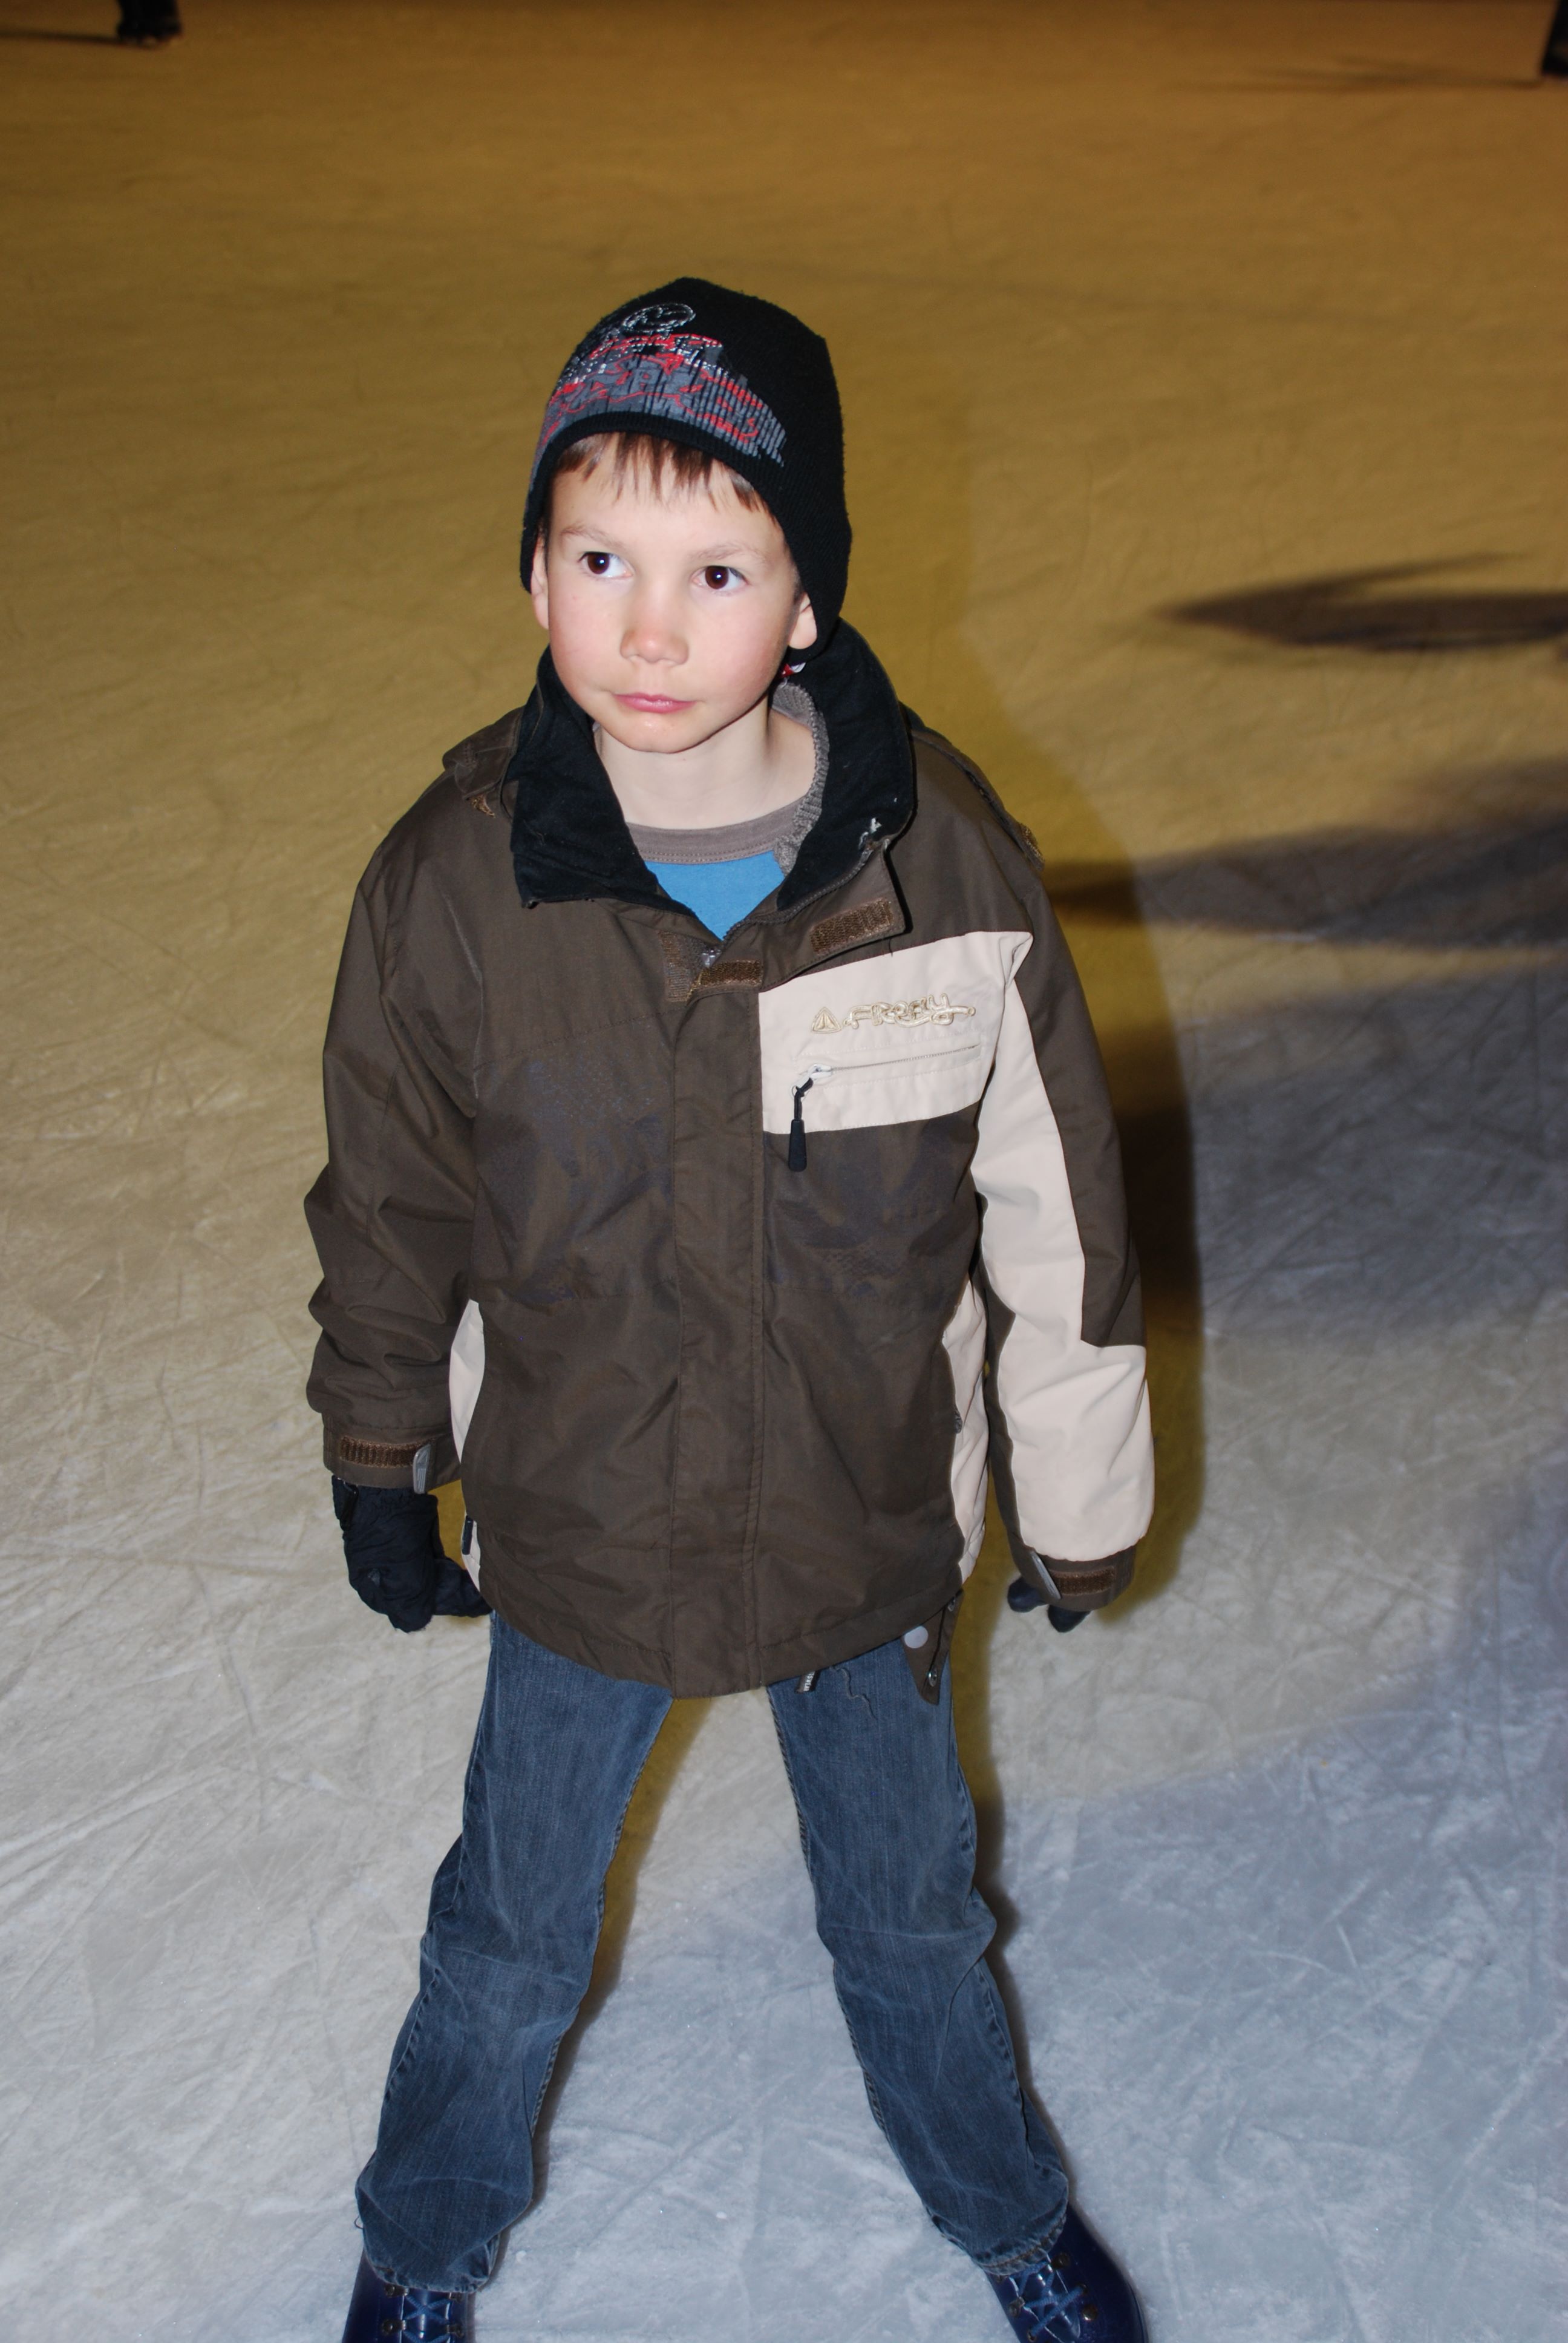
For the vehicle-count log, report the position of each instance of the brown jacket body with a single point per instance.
(722, 1394)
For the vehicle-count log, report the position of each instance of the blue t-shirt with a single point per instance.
(721, 893)
(724, 872)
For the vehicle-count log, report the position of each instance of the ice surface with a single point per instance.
(1203, 373)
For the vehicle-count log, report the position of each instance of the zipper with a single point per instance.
(815, 1074)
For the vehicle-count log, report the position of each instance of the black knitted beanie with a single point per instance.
(743, 380)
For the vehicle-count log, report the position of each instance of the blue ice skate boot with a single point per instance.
(1077, 2294)
(382, 2313)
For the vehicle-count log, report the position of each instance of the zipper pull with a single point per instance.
(798, 1129)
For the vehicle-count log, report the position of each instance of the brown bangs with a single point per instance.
(669, 467)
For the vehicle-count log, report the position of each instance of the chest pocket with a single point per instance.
(903, 1037)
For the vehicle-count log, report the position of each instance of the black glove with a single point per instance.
(393, 1543)
(1022, 1596)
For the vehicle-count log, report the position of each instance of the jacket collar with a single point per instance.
(569, 839)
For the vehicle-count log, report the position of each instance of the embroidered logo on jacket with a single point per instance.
(931, 1009)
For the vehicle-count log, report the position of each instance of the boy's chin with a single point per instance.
(655, 735)
(652, 733)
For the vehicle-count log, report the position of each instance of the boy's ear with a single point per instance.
(539, 585)
(802, 635)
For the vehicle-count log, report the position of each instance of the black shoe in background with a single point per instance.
(148, 24)
(1555, 60)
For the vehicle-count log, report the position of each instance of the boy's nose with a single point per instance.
(651, 636)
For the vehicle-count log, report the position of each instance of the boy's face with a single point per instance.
(670, 612)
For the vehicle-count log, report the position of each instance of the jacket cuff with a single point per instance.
(1085, 1585)
(388, 1459)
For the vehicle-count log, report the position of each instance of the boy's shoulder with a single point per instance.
(440, 823)
(951, 787)
(477, 768)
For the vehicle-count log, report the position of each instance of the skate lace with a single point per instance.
(1042, 2305)
(424, 2322)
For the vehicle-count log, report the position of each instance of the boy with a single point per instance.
(709, 1092)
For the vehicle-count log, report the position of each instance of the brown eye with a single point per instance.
(717, 576)
(596, 564)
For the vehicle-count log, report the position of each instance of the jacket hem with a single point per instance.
(615, 1655)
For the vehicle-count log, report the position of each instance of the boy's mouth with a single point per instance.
(650, 703)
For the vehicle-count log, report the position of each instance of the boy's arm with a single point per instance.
(392, 1217)
(1072, 1454)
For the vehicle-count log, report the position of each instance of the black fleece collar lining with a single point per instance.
(569, 839)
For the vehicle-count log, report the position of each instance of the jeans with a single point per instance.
(888, 1831)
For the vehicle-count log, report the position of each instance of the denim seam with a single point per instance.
(871, 2099)
(426, 1994)
(838, 1991)
(471, 1774)
(1010, 2265)
(413, 2285)
(415, 2021)
(995, 2020)
(795, 1794)
(1026, 2256)
(417, 2015)
(539, 2100)
(533, 2112)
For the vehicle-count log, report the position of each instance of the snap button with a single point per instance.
(917, 1638)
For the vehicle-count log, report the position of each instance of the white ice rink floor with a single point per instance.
(1202, 366)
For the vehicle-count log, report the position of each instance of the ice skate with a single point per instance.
(1076, 2295)
(410, 2314)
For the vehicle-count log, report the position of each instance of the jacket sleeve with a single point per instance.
(392, 1217)
(1071, 1450)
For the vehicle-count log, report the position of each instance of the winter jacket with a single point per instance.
(692, 1251)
